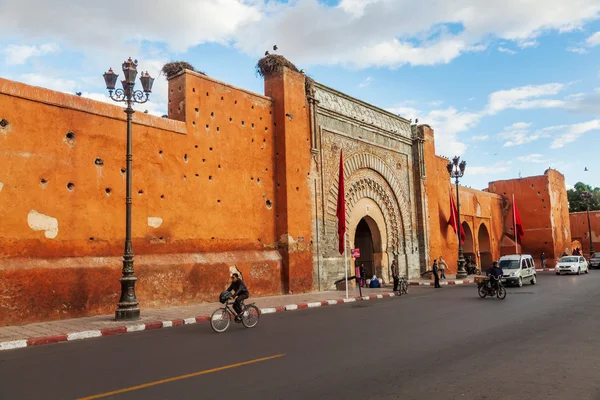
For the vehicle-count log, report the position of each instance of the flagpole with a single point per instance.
(515, 227)
(346, 263)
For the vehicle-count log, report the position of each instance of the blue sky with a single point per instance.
(513, 88)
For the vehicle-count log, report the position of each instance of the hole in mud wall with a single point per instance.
(70, 138)
(298, 189)
(207, 127)
(252, 126)
(160, 152)
(253, 107)
(243, 123)
(222, 98)
(210, 177)
(197, 175)
(3, 123)
(204, 160)
(123, 171)
(108, 191)
(212, 114)
(194, 123)
(252, 140)
(196, 146)
(70, 186)
(218, 201)
(185, 157)
(162, 196)
(210, 148)
(99, 162)
(218, 129)
(235, 102)
(257, 180)
(206, 94)
(185, 178)
(43, 183)
(140, 192)
(197, 110)
(92, 239)
(251, 178)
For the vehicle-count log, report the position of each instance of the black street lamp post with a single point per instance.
(456, 170)
(587, 196)
(127, 308)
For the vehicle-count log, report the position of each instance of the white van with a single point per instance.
(518, 269)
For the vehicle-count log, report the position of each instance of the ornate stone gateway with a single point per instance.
(382, 170)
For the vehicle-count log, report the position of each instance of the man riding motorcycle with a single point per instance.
(495, 274)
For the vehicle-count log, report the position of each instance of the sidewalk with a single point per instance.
(13, 337)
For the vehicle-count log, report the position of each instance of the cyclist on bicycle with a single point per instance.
(240, 293)
(495, 273)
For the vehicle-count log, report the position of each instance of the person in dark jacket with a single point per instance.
(436, 276)
(395, 274)
(240, 293)
(495, 273)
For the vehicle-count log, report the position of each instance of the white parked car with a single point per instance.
(572, 265)
(518, 269)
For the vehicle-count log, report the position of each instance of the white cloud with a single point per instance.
(366, 82)
(49, 82)
(533, 158)
(16, 55)
(525, 97)
(507, 51)
(497, 168)
(518, 134)
(577, 50)
(569, 134)
(593, 40)
(480, 138)
(360, 33)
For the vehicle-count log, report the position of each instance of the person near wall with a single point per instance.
(543, 258)
(375, 283)
(363, 274)
(395, 274)
(436, 275)
(442, 265)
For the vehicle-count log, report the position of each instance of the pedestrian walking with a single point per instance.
(395, 274)
(543, 257)
(363, 274)
(435, 274)
(442, 265)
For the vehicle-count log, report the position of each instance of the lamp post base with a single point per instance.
(461, 274)
(127, 314)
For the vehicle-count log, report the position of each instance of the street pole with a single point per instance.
(456, 169)
(128, 306)
(346, 262)
(587, 196)
(590, 231)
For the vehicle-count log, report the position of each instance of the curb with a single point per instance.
(39, 341)
(442, 283)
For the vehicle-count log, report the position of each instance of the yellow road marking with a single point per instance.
(177, 378)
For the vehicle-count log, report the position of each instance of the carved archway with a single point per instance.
(369, 176)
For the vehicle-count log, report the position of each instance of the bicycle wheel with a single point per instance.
(220, 320)
(250, 316)
(405, 287)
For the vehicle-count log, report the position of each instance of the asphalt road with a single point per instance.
(539, 343)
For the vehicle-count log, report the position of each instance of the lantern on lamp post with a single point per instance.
(456, 169)
(128, 306)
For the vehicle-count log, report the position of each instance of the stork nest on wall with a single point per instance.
(173, 68)
(273, 63)
(309, 85)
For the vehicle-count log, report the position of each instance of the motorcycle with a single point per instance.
(472, 269)
(485, 288)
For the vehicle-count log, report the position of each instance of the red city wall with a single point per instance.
(480, 214)
(543, 207)
(580, 230)
(206, 197)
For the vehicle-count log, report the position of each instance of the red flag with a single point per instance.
(341, 207)
(518, 223)
(453, 221)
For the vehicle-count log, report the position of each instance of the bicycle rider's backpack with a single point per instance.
(224, 296)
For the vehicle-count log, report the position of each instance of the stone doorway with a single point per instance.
(468, 246)
(485, 252)
(363, 240)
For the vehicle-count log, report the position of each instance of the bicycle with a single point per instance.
(221, 317)
(402, 286)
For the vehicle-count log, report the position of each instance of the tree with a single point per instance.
(577, 203)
